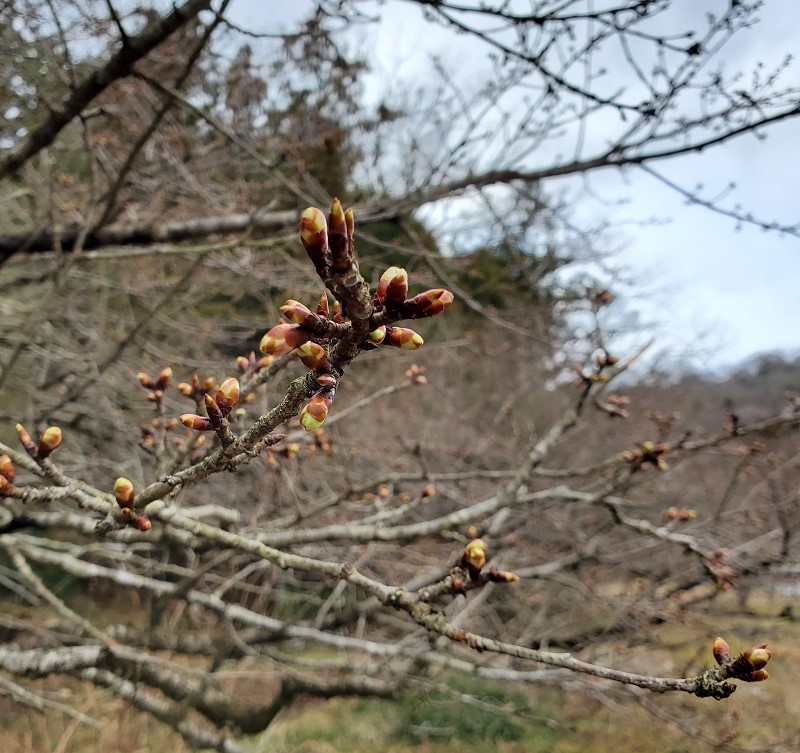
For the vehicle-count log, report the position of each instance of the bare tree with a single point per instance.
(477, 516)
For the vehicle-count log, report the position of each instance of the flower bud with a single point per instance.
(313, 356)
(350, 223)
(296, 312)
(402, 337)
(328, 381)
(377, 336)
(7, 468)
(185, 389)
(283, 338)
(227, 395)
(758, 656)
(123, 492)
(314, 236)
(164, 378)
(49, 441)
(338, 237)
(721, 651)
(25, 440)
(209, 383)
(198, 423)
(392, 287)
(758, 675)
(323, 309)
(145, 380)
(474, 557)
(429, 303)
(142, 523)
(316, 410)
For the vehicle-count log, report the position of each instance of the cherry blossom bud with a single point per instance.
(402, 337)
(313, 356)
(283, 338)
(377, 336)
(227, 395)
(25, 440)
(7, 468)
(314, 236)
(198, 423)
(49, 441)
(721, 651)
(123, 492)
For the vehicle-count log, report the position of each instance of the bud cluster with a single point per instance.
(218, 409)
(198, 390)
(49, 441)
(155, 387)
(250, 365)
(748, 666)
(680, 515)
(647, 453)
(125, 495)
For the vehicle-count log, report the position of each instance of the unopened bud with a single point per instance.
(316, 410)
(227, 395)
(296, 312)
(123, 492)
(758, 656)
(429, 303)
(474, 556)
(377, 336)
(49, 441)
(209, 383)
(25, 440)
(428, 491)
(721, 651)
(142, 523)
(145, 380)
(501, 576)
(164, 378)
(185, 389)
(392, 286)
(328, 381)
(198, 423)
(313, 356)
(283, 338)
(314, 236)
(402, 337)
(7, 468)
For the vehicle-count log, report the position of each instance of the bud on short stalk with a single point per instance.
(49, 441)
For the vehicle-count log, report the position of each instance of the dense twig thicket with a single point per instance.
(480, 515)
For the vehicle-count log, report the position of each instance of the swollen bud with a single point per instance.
(25, 440)
(392, 287)
(296, 312)
(474, 557)
(227, 395)
(313, 356)
(316, 410)
(402, 337)
(377, 336)
(721, 651)
(757, 657)
(429, 303)
(49, 441)
(142, 523)
(323, 309)
(6, 469)
(283, 338)
(145, 380)
(314, 236)
(123, 492)
(164, 378)
(198, 423)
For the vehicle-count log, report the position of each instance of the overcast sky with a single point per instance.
(703, 281)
